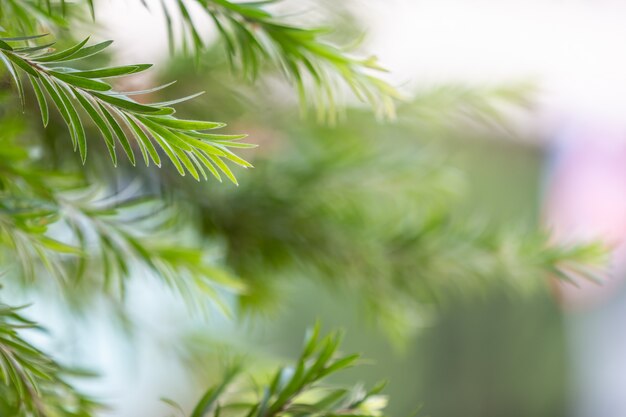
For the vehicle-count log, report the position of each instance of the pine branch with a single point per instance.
(320, 70)
(299, 390)
(117, 115)
(99, 237)
(34, 384)
(254, 37)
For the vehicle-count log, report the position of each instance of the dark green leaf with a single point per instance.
(76, 123)
(186, 124)
(24, 38)
(100, 123)
(112, 71)
(119, 132)
(81, 82)
(22, 64)
(41, 99)
(63, 55)
(127, 104)
(143, 138)
(87, 51)
(55, 98)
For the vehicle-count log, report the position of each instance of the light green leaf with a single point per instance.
(15, 76)
(221, 165)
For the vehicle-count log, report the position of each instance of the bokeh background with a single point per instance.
(491, 88)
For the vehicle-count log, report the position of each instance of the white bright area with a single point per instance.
(573, 49)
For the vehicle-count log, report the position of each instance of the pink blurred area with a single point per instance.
(586, 200)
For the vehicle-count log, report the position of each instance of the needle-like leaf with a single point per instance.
(117, 115)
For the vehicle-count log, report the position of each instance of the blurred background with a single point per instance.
(413, 234)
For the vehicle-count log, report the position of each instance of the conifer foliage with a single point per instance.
(63, 224)
(62, 218)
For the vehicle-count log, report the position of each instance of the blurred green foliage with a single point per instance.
(389, 217)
